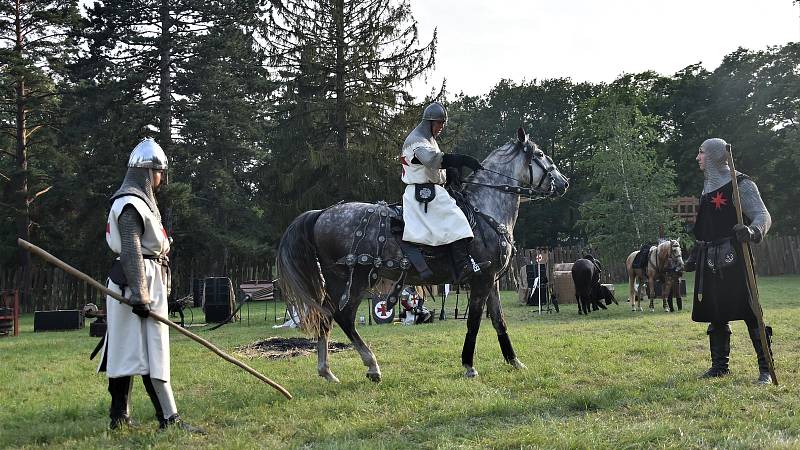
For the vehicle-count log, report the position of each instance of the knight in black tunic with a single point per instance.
(720, 292)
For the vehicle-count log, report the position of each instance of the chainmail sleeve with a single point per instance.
(753, 207)
(429, 157)
(131, 228)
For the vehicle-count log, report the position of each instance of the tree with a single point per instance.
(346, 67)
(34, 39)
(633, 188)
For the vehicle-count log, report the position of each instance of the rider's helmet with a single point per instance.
(435, 111)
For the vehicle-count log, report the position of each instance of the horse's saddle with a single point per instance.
(642, 258)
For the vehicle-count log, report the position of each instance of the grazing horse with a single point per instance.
(664, 263)
(588, 290)
(328, 258)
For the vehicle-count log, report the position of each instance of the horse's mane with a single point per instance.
(507, 150)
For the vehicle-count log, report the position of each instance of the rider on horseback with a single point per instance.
(430, 214)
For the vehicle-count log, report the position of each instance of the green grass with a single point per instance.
(615, 379)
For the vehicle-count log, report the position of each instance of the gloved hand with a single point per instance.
(457, 160)
(744, 233)
(142, 310)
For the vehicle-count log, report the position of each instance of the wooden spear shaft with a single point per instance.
(92, 282)
(751, 275)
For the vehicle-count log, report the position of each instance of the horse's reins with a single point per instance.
(532, 192)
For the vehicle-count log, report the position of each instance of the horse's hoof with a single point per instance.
(374, 376)
(652, 310)
(329, 376)
(517, 364)
(470, 373)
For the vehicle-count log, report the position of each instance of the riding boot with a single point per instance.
(719, 338)
(464, 267)
(120, 389)
(764, 376)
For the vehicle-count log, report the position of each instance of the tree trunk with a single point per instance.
(21, 177)
(165, 84)
(341, 101)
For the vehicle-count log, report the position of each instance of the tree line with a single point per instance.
(267, 108)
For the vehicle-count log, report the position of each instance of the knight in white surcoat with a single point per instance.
(430, 214)
(134, 344)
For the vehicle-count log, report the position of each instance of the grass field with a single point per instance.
(616, 379)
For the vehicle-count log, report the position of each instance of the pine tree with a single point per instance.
(347, 65)
(34, 43)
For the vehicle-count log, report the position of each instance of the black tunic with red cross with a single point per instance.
(725, 295)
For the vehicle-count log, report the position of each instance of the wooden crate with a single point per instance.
(563, 286)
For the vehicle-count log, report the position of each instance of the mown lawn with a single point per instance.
(616, 379)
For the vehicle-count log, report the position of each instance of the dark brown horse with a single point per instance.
(328, 258)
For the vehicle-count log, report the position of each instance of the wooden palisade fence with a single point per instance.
(53, 289)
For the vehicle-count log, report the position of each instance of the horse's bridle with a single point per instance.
(536, 192)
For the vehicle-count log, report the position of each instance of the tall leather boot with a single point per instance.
(464, 267)
(764, 376)
(120, 389)
(719, 338)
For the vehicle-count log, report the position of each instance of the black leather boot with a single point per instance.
(719, 338)
(764, 376)
(464, 267)
(176, 421)
(164, 422)
(120, 389)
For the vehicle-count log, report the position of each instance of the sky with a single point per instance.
(481, 42)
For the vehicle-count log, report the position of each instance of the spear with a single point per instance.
(94, 283)
(751, 275)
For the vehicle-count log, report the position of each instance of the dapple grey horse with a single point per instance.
(323, 278)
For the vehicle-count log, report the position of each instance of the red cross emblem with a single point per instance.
(403, 162)
(719, 200)
(381, 311)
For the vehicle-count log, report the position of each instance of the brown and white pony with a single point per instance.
(665, 263)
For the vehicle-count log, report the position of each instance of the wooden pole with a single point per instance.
(751, 276)
(92, 282)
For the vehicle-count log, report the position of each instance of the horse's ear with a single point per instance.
(521, 137)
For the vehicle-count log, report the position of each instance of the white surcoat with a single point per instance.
(444, 222)
(136, 346)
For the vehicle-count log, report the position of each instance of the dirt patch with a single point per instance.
(278, 347)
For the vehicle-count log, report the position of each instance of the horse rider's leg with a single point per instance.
(499, 323)
(347, 321)
(322, 350)
(477, 298)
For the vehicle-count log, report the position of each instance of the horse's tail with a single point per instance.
(301, 281)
